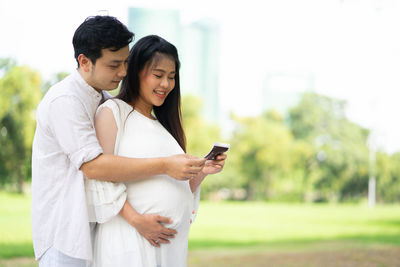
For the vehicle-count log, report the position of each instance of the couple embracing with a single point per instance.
(112, 184)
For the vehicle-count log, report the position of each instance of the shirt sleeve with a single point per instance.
(73, 129)
(196, 202)
(105, 199)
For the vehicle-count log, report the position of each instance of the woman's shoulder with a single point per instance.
(119, 108)
(116, 104)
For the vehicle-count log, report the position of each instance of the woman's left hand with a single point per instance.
(214, 166)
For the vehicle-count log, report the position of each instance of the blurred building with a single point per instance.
(283, 90)
(162, 22)
(198, 48)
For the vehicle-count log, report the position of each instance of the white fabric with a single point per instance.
(54, 258)
(117, 243)
(105, 199)
(64, 139)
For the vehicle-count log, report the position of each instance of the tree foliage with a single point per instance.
(200, 136)
(313, 154)
(262, 153)
(340, 146)
(20, 95)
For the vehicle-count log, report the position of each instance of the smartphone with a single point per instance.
(217, 149)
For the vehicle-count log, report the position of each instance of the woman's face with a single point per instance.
(156, 82)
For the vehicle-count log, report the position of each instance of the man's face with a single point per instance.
(109, 69)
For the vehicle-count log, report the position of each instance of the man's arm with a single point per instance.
(107, 167)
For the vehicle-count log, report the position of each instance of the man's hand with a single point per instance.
(183, 166)
(150, 227)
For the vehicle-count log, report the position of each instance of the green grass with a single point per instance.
(244, 226)
(15, 225)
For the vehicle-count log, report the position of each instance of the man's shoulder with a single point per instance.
(63, 88)
(62, 91)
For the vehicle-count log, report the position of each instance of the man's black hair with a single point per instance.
(100, 32)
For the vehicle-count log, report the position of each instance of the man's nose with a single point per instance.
(122, 71)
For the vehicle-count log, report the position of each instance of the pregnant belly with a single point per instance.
(164, 196)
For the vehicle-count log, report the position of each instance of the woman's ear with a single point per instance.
(85, 63)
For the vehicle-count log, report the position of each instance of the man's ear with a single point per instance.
(85, 63)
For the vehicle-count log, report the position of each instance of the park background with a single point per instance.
(306, 92)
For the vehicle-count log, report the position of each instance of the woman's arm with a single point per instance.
(210, 167)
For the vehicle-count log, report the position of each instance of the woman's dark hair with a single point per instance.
(97, 33)
(148, 50)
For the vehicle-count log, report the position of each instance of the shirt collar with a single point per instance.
(89, 89)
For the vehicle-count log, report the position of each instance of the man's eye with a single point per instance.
(113, 67)
(158, 76)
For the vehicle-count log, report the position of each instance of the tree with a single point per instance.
(53, 80)
(388, 177)
(340, 147)
(201, 135)
(261, 153)
(20, 95)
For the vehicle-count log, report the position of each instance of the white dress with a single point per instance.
(116, 242)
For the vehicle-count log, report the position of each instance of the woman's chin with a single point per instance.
(158, 103)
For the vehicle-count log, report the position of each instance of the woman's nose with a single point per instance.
(164, 83)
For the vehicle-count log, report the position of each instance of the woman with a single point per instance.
(146, 117)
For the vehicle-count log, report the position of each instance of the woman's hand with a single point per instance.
(214, 166)
(151, 228)
(210, 167)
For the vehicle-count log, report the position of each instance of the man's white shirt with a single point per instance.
(64, 139)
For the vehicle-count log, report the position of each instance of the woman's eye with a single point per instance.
(113, 67)
(171, 78)
(158, 76)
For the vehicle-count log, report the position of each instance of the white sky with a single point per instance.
(351, 47)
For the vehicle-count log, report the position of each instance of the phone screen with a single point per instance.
(216, 150)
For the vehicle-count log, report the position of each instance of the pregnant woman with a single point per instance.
(144, 121)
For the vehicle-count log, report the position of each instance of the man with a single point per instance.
(65, 150)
